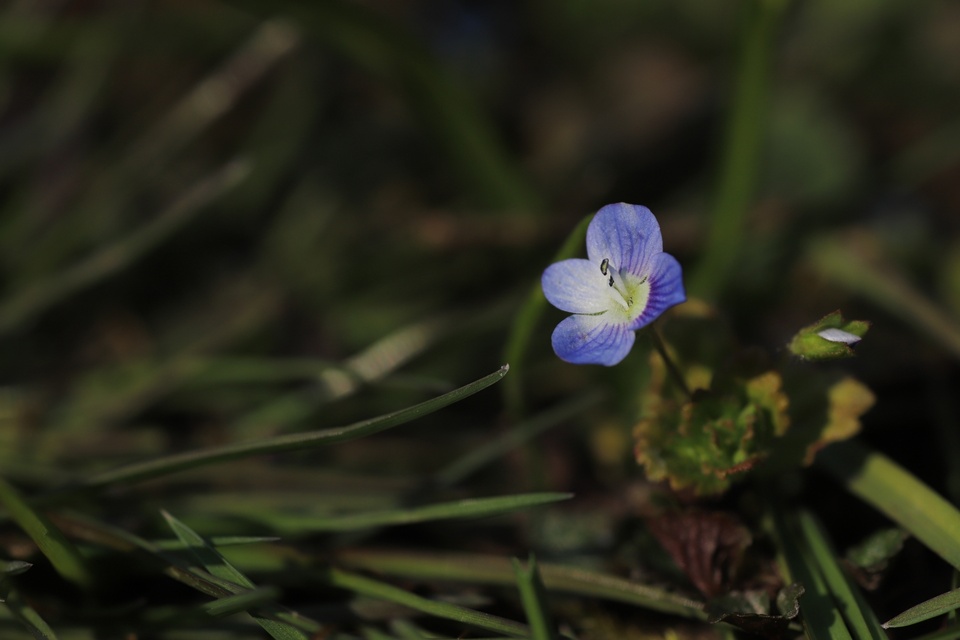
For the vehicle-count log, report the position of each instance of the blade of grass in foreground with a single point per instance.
(470, 508)
(821, 618)
(217, 565)
(61, 553)
(26, 616)
(293, 442)
(533, 597)
(851, 604)
(493, 570)
(897, 493)
(383, 591)
(943, 603)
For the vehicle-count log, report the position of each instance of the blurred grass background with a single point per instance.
(228, 220)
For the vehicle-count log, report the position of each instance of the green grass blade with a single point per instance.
(252, 599)
(280, 444)
(533, 597)
(218, 566)
(26, 616)
(372, 633)
(375, 589)
(859, 617)
(525, 322)
(821, 618)
(898, 494)
(61, 553)
(13, 568)
(217, 541)
(931, 608)
(493, 570)
(406, 630)
(470, 508)
(743, 145)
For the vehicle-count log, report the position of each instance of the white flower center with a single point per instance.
(628, 292)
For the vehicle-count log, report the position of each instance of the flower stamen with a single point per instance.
(615, 281)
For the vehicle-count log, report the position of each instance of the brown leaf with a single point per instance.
(707, 546)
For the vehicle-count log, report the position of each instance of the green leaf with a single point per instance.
(294, 442)
(829, 338)
(218, 566)
(61, 553)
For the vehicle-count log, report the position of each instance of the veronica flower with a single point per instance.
(625, 283)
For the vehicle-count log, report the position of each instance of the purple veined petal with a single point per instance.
(575, 286)
(666, 289)
(627, 234)
(583, 339)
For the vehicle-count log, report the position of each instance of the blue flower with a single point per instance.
(625, 283)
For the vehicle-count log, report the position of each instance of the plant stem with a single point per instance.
(661, 348)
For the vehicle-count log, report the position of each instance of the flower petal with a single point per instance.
(576, 286)
(627, 234)
(666, 289)
(590, 340)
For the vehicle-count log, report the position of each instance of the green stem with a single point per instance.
(672, 368)
(740, 159)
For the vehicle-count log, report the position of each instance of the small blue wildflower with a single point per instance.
(625, 283)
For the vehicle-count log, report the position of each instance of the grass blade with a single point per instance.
(943, 603)
(280, 444)
(493, 570)
(470, 508)
(898, 494)
(853, 607)
(253, 599)
(740, 162)
(533, 597)
(26, 616)
(13, 568)
(375, 589)
(218, 566)
(61, 553)
(821, 619)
